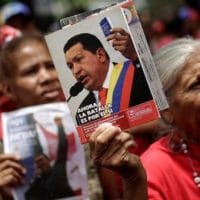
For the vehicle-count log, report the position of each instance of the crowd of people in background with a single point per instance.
(19, 22)
(160, 32)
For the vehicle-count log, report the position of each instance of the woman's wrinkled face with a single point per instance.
(185, 101)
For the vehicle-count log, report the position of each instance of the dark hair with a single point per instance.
(8, 54)
(90, 42)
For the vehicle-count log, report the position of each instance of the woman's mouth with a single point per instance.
(51, 94)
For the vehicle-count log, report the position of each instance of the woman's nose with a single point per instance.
(45, 74)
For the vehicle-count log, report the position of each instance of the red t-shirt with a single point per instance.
(169, 174)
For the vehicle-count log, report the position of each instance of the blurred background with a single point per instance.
(162, 20)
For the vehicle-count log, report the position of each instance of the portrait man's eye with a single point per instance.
(70, 65)
(79, 59)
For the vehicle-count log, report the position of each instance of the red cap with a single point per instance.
(7, 33)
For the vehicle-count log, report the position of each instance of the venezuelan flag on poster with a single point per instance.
(120, 86)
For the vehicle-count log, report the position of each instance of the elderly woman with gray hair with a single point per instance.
(170, 168)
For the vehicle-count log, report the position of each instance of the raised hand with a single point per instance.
(121, 41)
(109, 148)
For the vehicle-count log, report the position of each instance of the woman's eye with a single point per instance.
(30, 71)
(195, 85)
(50, 65)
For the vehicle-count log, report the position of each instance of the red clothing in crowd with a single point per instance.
(6, 104)
(170, 174)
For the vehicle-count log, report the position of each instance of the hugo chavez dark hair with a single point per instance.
(89, 42)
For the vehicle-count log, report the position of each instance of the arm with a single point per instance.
(135, 187)
(109, 147)
(111, 188)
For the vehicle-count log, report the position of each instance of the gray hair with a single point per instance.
(171, 59)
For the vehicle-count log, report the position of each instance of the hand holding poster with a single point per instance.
(45, 139)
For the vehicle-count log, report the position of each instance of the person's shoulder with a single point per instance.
(135, 63)
(158, 154)
(126, 63)
(123, 62)
(89, 99)
(157, 160)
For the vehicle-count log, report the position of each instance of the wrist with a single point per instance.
(133, 168)
(135, 183)
(5, 193)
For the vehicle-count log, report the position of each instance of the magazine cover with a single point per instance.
(103, 78)
(46, 140)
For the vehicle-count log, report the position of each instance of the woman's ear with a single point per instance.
(168, 116)
(7, 90)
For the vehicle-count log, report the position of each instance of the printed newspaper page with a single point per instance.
(102, 79)
(46, 140)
